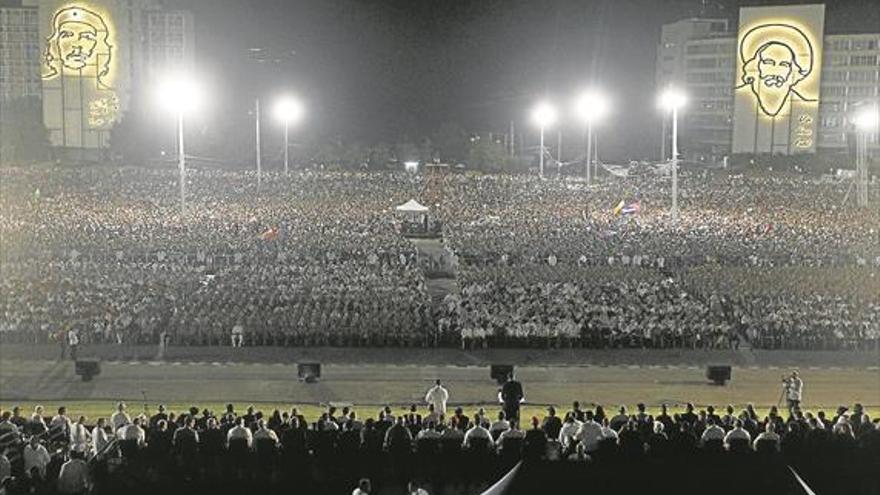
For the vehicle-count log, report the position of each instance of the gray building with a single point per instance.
(19, 51)
(699, 55)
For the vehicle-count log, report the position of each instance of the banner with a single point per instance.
(778, 71)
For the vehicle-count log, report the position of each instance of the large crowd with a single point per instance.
(320, 258)
(185, 452)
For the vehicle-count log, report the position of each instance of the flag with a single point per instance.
(623, 208)
(631, 208)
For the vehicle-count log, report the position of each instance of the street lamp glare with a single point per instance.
(288, 110)
(544, 114)
(179, 94)
(592, 106)
(867, 119)
(672, 99)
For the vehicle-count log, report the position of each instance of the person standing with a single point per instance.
(119, 418)
(511, 397)
(437, 396)
(100, 438)
(73, 343)
(794, 389)
(73, 479)
(36, 457)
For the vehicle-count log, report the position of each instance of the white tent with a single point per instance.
(412, 206)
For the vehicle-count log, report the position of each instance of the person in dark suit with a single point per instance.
(511, 396)
(535, 443)
(552, 424)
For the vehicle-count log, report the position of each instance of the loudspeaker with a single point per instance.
(719, 373)
(308, 372)
(87, 368)
(500, 372)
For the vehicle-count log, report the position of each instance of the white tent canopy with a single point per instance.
(412, 206)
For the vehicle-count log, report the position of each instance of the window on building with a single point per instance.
(863, 60)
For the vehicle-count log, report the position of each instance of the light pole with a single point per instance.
(866, 121)
(180, 95)
(673, 99)
(544, 115)
(288, 110)
(257, 133)
(591, 106)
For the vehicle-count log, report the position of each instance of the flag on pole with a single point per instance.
(623, 208)
(631, 208)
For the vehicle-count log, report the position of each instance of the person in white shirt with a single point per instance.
(768, 435)
(499, 427)
(712, 432)
(438, 396)
(5, 467)
(412, 488)
(589, 434)
(512, 433)
(60, 421)
(263, 432)
(608, 431)
(363, 487)
(73, 479)
(100, 438)
(237, 335)
(73, 343)
(794, 390)
(477, 431)
(80, 438)
(240, 432)
(120, 418)
(36, 457)
(570, 427)
(737, 433)
(133, 431)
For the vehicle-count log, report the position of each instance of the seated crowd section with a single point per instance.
(318, 258)
(232, 451)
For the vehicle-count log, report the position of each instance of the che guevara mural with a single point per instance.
(776, 93)
(81, 56)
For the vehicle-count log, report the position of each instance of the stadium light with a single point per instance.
(544, 115)
(867, 119)
(179, 93)
(289, 111)
(590, 106)
(671, 99)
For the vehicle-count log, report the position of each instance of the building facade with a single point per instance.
(84, 60)
(19, 52)
(703, 56)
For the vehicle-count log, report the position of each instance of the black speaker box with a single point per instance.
(308, 372)
(87, 368)
(720, 373)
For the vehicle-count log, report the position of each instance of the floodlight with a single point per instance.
(672, 99)
(591, 106)
(289, 110)
(179, 93)
(867, 119)
(544, 114)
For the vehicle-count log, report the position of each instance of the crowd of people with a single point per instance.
(182, 450)
(321, 258)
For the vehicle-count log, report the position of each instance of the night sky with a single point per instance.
(398, 70)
